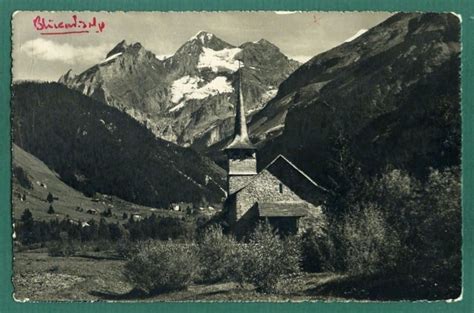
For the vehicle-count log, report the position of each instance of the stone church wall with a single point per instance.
(237, 182)
(265, 188)
(243, 166)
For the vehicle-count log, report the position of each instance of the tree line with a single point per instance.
(30, 231)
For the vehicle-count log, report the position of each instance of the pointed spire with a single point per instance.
(241, 137)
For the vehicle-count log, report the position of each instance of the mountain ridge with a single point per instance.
(406, 66)
(196, 83)
(97, 148)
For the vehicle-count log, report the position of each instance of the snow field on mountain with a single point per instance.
(187, 87)
(111, 57)
(219, 60)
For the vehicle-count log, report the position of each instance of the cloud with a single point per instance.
(63, 52)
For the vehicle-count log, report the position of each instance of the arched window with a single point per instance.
(281, 188)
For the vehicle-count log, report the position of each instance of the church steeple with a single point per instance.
(241, 153)
(241, 137)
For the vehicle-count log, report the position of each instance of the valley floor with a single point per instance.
(97, 276)
(39, 277)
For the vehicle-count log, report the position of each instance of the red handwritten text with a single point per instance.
(73, 26)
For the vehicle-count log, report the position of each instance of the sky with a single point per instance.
(299, 35)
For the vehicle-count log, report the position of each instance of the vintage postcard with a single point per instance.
(236, 156)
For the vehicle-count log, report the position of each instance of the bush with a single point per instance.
(318, 252)
(162, 266)
(116, 231)
(437, 247)
(370, 246)
(398, 195)
(267, 258)
(62, 248)
(218, 256)
(426, 215)
(126, 248)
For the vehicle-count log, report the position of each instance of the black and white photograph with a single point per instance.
(236, 156)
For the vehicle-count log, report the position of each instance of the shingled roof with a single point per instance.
(282, 209)
(303, 174)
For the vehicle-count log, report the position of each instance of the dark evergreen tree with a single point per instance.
(20, 174)
(103, 231)
(26, 228)
(115, 231)
(90, 233)
(50, 197)
(107, 212)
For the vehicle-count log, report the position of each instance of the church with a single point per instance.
(280, 193)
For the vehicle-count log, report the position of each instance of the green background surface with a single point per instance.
(463, 7)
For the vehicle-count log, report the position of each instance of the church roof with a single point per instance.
(294, 167)
(303, 174)
(282, 209)
(241, 138)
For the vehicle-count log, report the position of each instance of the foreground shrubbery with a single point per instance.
(162, 266)
(262, 261)
(370, 245)
(395, 226)
(400, 227)
(318, 251)
(220, 257)
(267, 258)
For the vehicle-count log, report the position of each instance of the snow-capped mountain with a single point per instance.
(187, 98)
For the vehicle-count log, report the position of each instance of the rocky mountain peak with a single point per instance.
(206, 40)
(189, 95)
(136, 47)
(123, 47)
(202, 36)
(265, 42)
(261, 43)
(66, 77)
(120, 47)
